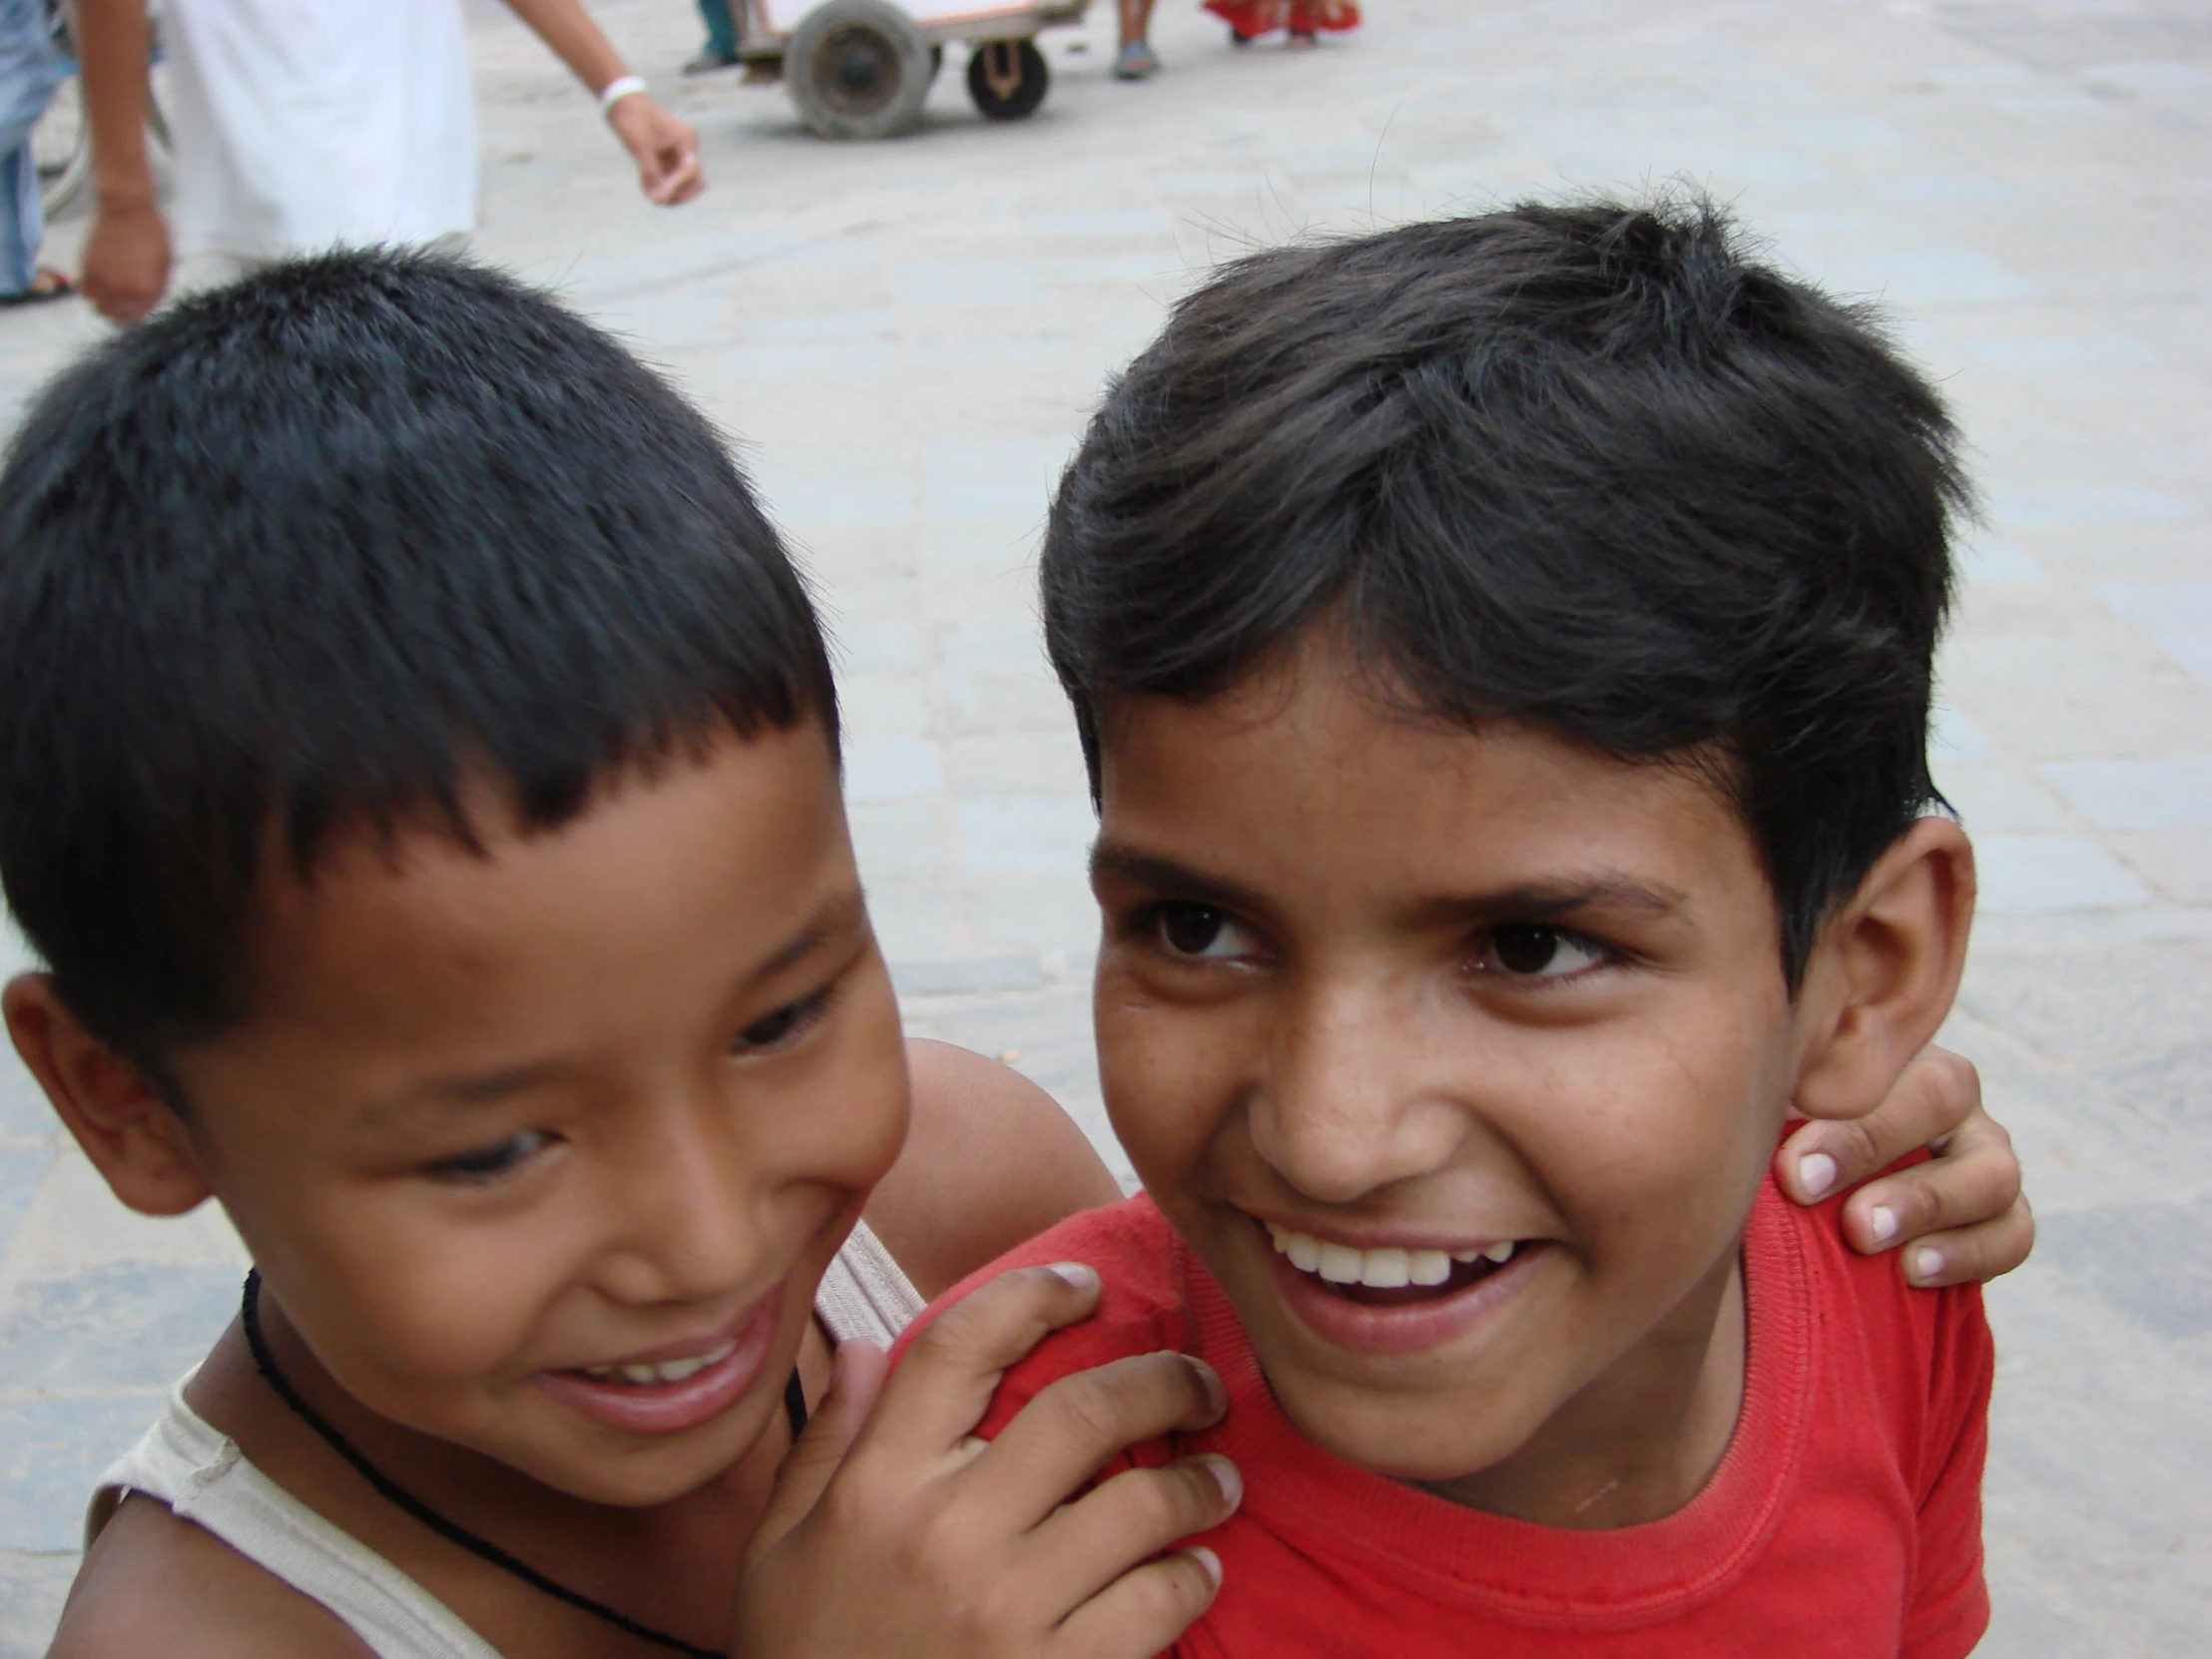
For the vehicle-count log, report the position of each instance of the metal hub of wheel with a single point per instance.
(858, 72)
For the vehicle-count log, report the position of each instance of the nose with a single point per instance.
(1353, 1100)
(686, 1223)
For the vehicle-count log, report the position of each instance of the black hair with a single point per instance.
(1587, 465)
(296, 555)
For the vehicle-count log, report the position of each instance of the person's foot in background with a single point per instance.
(1136, 59)
(721, 50)
(46, 283)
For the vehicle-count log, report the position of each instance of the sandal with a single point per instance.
(46, 283)
(1135, 62)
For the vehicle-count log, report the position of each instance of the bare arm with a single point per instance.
(990, 1162)
(155, 1583)
(665, 148)
(125, 263)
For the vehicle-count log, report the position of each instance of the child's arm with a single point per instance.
(154, 1583)
(906, 1537)
(990, 1162)
(1964, 1204)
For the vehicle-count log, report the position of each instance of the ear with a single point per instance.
(133, 1137)
(1884, 970)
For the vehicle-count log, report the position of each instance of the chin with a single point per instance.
(643, 1483)
(1435, 1442)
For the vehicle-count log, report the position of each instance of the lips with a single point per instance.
(663, 1394)
(1396, 1298)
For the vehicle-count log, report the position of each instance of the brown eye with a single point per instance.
(497, 1159)
(772, 1030)
(1534, 951)
(1522, 949)
(1191, 929)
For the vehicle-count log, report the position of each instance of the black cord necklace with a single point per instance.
(249, 1313)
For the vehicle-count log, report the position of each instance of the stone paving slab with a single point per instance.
(906, 340)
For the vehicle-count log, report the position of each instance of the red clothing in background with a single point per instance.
(1845, 1519)
(1252, 18)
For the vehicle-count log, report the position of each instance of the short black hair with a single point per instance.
(1591, 466)
(296, 555)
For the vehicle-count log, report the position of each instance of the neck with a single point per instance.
(1641, 1441)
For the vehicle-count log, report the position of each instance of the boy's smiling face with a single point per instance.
(608, 1096)
(1377, 984)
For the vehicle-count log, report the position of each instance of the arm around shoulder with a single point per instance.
(154, 1583)
(990, 1162)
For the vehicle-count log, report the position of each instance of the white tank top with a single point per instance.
(203, 1478)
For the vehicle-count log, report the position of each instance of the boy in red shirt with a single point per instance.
(1503, 649)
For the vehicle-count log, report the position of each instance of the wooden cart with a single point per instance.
(862, 68)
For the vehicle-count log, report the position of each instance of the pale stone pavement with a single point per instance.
(907, 337)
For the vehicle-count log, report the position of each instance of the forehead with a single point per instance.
(714, 852)
(1309, 771)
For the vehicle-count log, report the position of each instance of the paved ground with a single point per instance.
(908, 337)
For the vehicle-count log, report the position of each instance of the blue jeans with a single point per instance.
(721, 29)
(31, 67)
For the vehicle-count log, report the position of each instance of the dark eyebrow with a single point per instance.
(841, 914)
(1538, 901)
(1528, 901)
(837, 917)
(1117, 860)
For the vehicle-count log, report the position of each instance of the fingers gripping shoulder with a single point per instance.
(1138, 1311)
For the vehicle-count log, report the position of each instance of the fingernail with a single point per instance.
(1226, 1477)
(1927, 1263)
(1885, 1221)
(1208, 1562)
(1076, 1274)
(1815, 1173)
(1217, 1391)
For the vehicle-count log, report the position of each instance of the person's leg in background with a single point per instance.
(1136, 59)
(31, 66)
(721, 50)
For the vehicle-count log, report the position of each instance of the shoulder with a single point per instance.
(990, 1160)
(1923, 1361)
(1140, 1305)
(153, 1583)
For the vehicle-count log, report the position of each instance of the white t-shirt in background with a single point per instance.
(300, 124)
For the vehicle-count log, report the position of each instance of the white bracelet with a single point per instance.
(616, 90)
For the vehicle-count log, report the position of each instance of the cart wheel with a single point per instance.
(1008, 79)
(859, 69)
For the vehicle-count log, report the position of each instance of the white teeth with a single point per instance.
(669, 1371)
(1502, 1251)
(1339, 1264)
(1387, 1268)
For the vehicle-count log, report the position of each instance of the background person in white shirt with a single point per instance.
(298, 125)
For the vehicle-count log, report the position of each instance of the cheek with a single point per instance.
(1686, 1108)
(858, 1108)
(1168, 1075)
(416, 1321)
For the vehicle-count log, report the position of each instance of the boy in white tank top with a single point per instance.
(420, 783)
